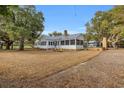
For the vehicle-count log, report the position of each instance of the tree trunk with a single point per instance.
(7, 46)
(12, 45)
(33, 42)
(1, 46)
(21, 43)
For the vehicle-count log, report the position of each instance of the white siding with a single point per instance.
(60, 46)
(47, 46)
(79, 47)
(68, 46)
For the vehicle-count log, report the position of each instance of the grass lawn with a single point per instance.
(25, 68)
(16, 47)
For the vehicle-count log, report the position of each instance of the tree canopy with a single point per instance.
(109, 24)
(55, 33)
(20, 23)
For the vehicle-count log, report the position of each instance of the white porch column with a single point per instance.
(75, 42)
(64, 42)
(47, 44)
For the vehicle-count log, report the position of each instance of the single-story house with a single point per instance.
(74, 41)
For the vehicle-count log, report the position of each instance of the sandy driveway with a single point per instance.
(105, 70)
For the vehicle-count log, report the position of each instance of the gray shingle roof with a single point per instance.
(73, 36)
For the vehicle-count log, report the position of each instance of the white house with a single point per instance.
(74, 41)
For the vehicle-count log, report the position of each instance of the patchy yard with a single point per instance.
(28, 68)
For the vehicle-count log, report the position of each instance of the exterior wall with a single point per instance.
(42, 47)
(60, 47)
(79, 47)
(68, 46)
(47, 46)
(50, 47)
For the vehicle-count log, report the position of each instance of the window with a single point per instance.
(78, 42)
(62, 42)
(72, 42)
(55, 43)
(49, 43)
(43, 43)
(67, 42)
(82, 42)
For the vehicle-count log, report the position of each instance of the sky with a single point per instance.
(68, 17)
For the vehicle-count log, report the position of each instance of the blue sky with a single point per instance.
(72, 18)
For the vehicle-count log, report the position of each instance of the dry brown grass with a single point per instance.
(26, 68)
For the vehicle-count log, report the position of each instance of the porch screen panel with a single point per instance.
(72, 42)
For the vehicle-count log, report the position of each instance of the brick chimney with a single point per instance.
(65, 33)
